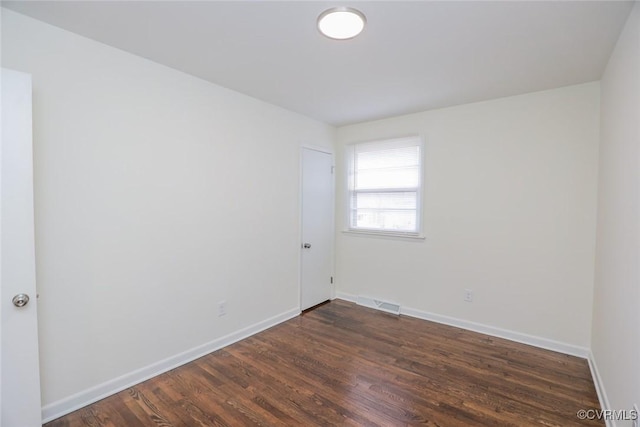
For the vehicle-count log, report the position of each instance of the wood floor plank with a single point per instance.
(345, 365)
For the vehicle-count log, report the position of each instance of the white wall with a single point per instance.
(157, 195)
(509, 212)
(616, 309)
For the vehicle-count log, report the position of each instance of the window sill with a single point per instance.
(385, 235)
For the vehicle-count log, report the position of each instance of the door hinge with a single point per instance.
(332, 280)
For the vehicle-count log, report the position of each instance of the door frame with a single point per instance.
(329, 151)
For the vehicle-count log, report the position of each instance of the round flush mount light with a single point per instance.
(341, 23)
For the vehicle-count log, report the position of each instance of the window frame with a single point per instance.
(350, 149)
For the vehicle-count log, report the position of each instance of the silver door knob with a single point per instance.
(20, 300)
(307, 246)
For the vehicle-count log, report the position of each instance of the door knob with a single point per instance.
(20, 300)
(307, 246)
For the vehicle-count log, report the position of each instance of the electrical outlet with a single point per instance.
(222, 308)
(635, 422)
(468, 295)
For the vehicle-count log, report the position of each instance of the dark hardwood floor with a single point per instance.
(342, 364)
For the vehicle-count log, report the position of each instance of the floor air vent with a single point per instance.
(388, 307)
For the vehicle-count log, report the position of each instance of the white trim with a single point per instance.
(520, 337)
(385, 235)
(79, 400)
(317, 148)
(600, 390)
(346, 297)
(349, 156)
(93, 394)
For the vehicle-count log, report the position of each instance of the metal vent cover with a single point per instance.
(377, 304)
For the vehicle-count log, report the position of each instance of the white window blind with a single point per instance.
(385, 186)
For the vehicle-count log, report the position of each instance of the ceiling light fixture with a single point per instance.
(341, 23)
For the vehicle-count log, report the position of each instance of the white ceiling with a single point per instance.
(412, 56)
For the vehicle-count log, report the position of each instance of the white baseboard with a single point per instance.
(602, 394)
(62, 407)
(520, 337)
(346, 297)
(93, 394)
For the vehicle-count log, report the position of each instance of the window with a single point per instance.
(385, 182)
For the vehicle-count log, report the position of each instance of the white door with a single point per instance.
(20, 395)
(317, 227)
